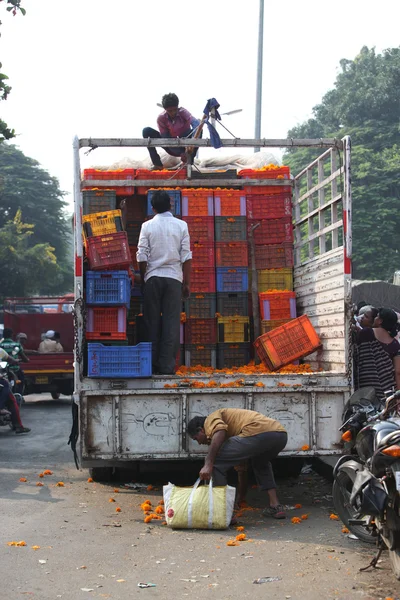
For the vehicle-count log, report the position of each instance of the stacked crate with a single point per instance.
(231, 259)
(200, 309)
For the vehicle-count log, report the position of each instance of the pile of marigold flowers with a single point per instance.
(249, 369)
(151, 514)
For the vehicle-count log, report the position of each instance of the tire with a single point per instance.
(101, 474)
(341, 499)
(55, 395)
(394, 556)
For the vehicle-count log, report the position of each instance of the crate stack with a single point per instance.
(271, 208)
(108, 292)
(231, 255)
(201, 325)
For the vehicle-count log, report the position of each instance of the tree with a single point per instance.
(5, 132)
(365, 104)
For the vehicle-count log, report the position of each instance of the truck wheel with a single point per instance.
(55, 395)
(101, 474)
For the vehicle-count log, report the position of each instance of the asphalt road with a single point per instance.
(89, 550)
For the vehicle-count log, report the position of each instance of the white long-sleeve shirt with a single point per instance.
(164, 243)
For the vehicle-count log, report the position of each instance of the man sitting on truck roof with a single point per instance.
(165, 261)
(235, 435)
(50, 344)
(174, 122)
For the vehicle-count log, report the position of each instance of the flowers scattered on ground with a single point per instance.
(47, 472)
(345, 530)
(148, 519)
(41, 475)
(150, 487)
(116, 491)
(90, 480)
(240, 528)
(118, 509)
(232, 543)
(334, 517)
(295, 520)
(298, 506)
(159, 510)
(241, 537)
(23, 479)
(35, 547)
(21, 543)
(39, 484)
(305, 447)
(60, 484)
(111, 500)
(304, 517)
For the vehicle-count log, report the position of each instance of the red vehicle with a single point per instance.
(51, 372)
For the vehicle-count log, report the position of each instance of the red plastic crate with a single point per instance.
(171, 176)
(277, 305)
(274, 256)
(234, 253)
(230, 203)
(272, 231)
(282, 172)
(106, 323)
(287, 343)
(261, 206)
(108, 252)
(201, 229)
(135, 209)
(197, 202)
(201, 331)
(133, 231)
(202, 279)
(121, 174)
(203, 254)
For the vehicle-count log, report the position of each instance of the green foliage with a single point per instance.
(365, 104)
(5, 132)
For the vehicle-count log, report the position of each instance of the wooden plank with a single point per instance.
(205, 142)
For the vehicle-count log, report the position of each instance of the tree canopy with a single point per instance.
(365, 104)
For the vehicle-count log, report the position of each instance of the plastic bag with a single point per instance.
(199, 507)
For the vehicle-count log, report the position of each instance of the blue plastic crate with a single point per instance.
(118, 362)
(175, 196)
(232, 279)
(108, 288)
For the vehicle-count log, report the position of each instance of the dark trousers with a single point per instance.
(260, 449)
(149, 132)
(8, 401)
(162, 316)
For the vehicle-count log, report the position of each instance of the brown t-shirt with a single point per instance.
(238, 421)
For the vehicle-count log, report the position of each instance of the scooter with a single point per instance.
(6, 374)
(367, 484)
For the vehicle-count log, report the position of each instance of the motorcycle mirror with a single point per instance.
(3, 365)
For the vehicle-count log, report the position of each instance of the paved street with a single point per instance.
(89, 550)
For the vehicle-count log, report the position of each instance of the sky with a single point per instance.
(97, 68)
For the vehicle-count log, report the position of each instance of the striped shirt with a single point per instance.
(375, 362)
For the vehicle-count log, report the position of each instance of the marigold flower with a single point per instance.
(116, 491)
(240, 528)
(304, 517)
(345, 530)
(41, 475)
(35, 547)
(239, 514)
(334, 517)
(305, 447)
(241, 537)
(111, 500)
(60, 484)
(298, 506)
(148, 519)
(21, 543)
(47, 472)
(146, 507)
(90, 480)
(260, 384)
(39, 484)
(232, 543)
(161, 503)
(150, 487)
(159, 510)
(164, 523)
(118, 509)
(295, 520)
(23, 479)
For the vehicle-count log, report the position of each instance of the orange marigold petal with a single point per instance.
(295, 520)
(232, 543)
(159, 510)
(116, 491)
(23, 479)
(90, 480)
(334, 517)
(298, 506)
(39, 484)
(60, 484)
(150, 487)
(47, 472)
(161, 503)
(241, 537)
(304, 517)
(111, 500)
(345, 530)
(35, 547)
(118, 509)
(240, 528)
(41, 475)
(148, 519)
(305, 447)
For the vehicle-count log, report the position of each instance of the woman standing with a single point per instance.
(379, 354)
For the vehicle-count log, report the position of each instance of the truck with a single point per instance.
(122, 422)
(44, 373)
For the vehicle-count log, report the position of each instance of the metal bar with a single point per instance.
(257, 129)
(320, 185)
(205, 142)
(185, 182)
(78, 259)
(331, 202)
(324, 231)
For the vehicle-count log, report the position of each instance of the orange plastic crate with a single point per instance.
(231, 254)
(106, 323)
(279, 173)
(277, 305)
(121, 175)
(197, 202)
(287, 343)
(230, 203)
(201, 229)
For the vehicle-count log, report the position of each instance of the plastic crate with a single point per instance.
(232, 279)
(267, 326)
(201, 306)
(119, 361)
(119, 174)
(135, 208)
(230, 229)
(175, 196)
(275, 279)
(272, 231)
(202, 280)
(233, 329)
(231, 253)
(275, 306)
(106, 323)
(229, 203)
(261, 206)
(232, 355)
(201, 331)
(153, 176)
(108, 252)
(108, 288)
(102, 223)
(197, 203)
(278, 173)
(133, 231)
(287, 343)
(232, 303)
(95, 201)
(201, 229)
(201, 354)
(274, 256)
(203, 254)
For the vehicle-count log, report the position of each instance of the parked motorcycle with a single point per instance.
(367, 483)
(6, 374)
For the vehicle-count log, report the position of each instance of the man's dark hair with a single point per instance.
(7, 333)
(195, 425)
(389, 321)
(56, 335)
(160, 201)
(170, 101)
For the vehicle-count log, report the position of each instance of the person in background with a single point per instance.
(16, 350)
(165, 260)
(8, 403)
(57, 338)
(22, 338)
(235, 435)
(379, 354)
(49, 344)
(174, 122)
(366, 316)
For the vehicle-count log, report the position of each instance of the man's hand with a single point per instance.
(206, 472)
(184, 157)
(185, 291)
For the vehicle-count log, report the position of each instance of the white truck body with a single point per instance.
(138, 419)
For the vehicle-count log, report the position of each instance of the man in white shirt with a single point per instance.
(165, 262)
(49, 344)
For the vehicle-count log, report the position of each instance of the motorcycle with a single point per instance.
(367, 483)
(5, 419)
